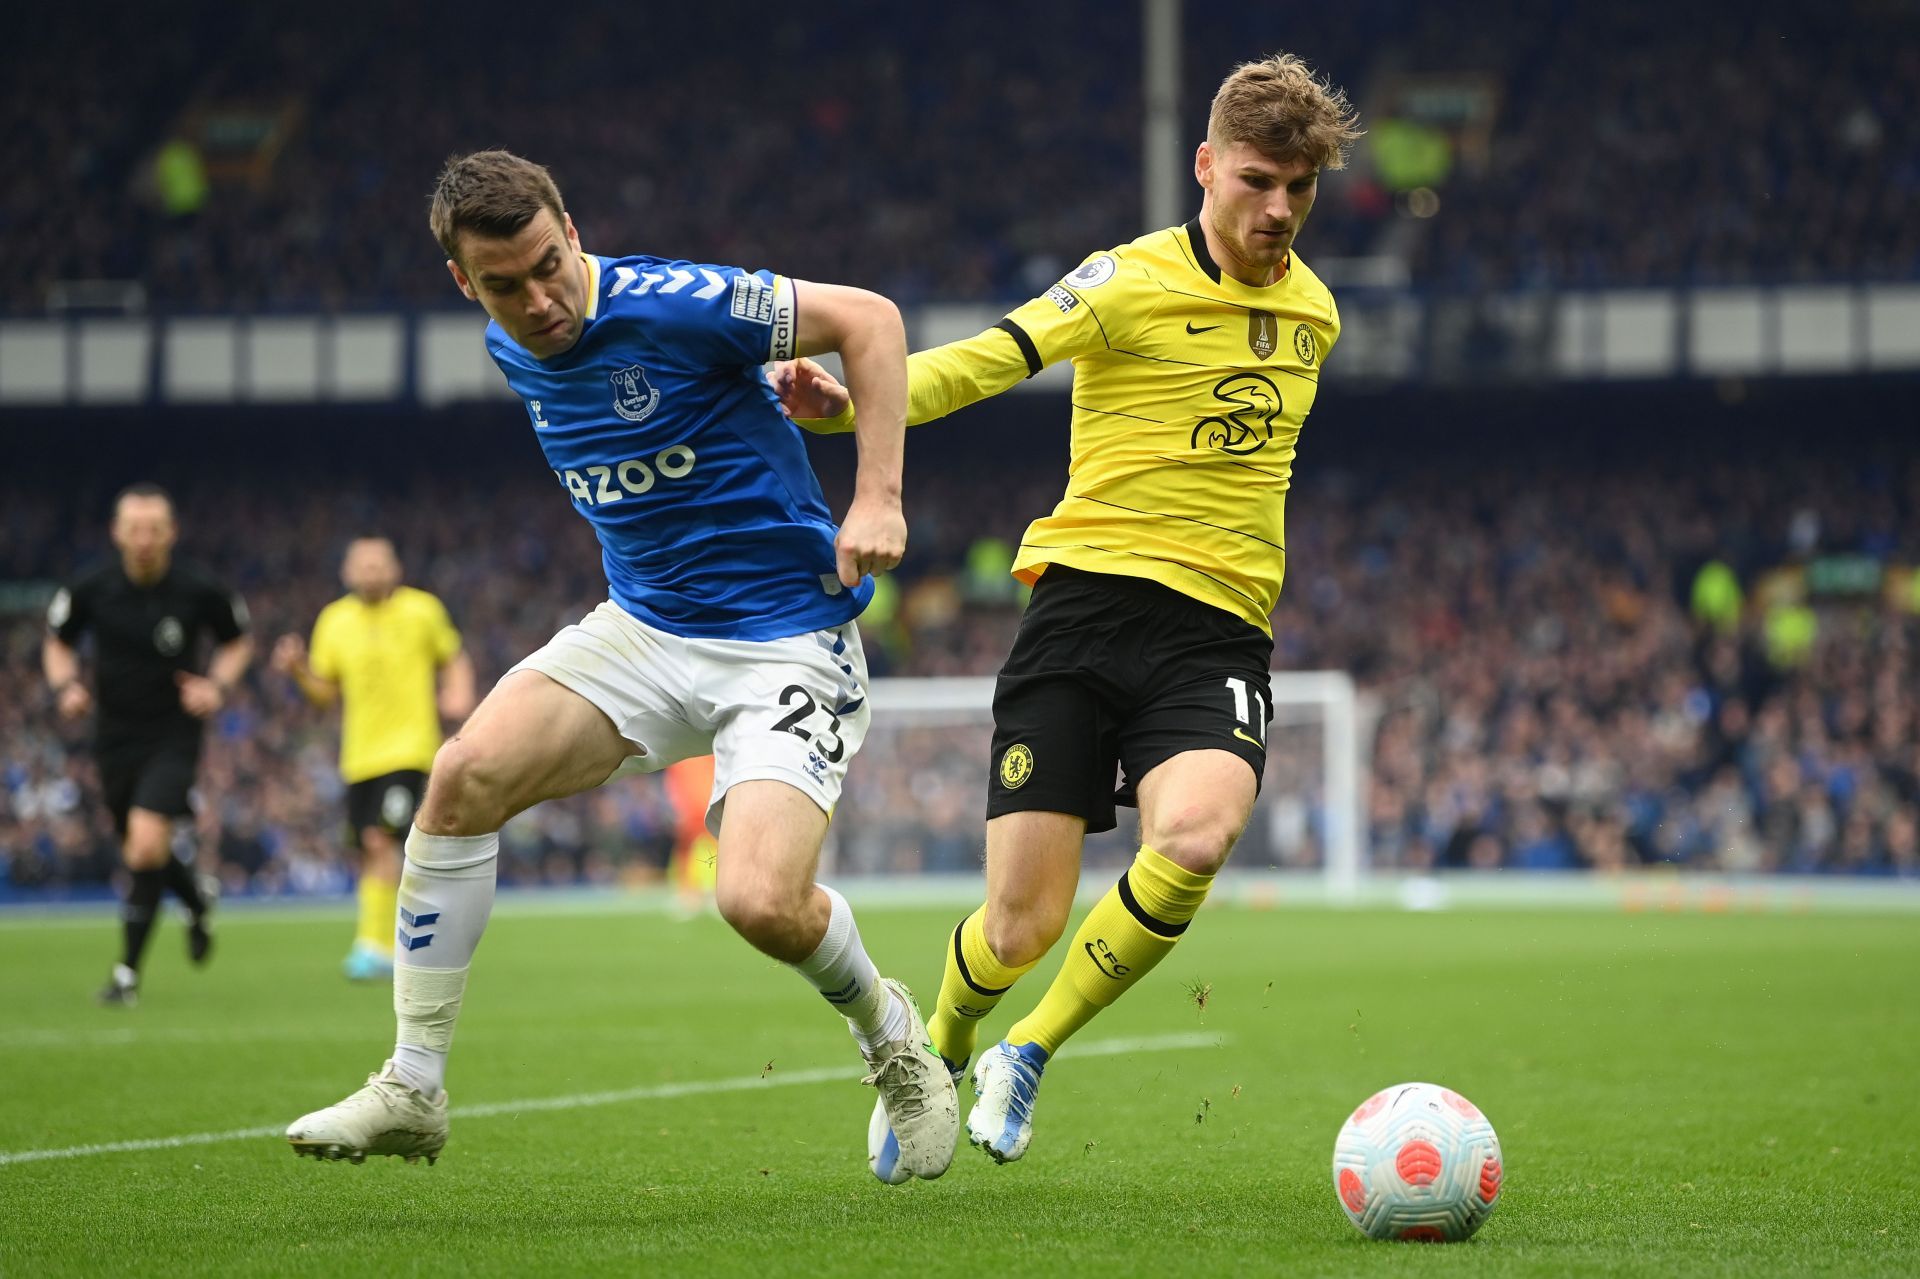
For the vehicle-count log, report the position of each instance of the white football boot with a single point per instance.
(387, 1117)
(916, 1122)
(883, 1148)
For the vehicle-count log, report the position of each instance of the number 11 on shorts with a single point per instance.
(1258, 723)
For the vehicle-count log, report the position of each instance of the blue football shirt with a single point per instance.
(661, 427)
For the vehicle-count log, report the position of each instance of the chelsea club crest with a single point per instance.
(634, 398)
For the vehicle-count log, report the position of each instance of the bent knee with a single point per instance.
(764, 915)
(1197, 838)
(1020, 936)
(464, 791)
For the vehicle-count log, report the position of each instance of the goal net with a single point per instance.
(915, 799)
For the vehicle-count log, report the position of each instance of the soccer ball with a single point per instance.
(1417, 1161)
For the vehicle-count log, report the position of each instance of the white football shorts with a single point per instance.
(793, 710)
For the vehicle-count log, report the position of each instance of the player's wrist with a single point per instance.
(880, 492)
(838, 424)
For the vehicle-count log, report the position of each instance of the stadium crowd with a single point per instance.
(1581, 669)
(1575, 664)
(268, 159)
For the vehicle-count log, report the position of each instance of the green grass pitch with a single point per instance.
(1675, 1094)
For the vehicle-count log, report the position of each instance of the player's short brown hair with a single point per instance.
(1280, 108)
(490, 193)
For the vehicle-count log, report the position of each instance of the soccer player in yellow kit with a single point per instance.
(1197, 353)
(380, 650)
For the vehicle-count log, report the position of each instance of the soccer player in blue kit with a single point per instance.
(729, 628)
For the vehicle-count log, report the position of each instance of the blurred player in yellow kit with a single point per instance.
(1197, 353)
(391, 657)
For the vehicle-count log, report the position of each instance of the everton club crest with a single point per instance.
(634, 398)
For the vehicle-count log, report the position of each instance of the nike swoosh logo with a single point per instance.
(1243, 737)
(1208, 328)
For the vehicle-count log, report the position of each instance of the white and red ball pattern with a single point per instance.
(1417, 1161)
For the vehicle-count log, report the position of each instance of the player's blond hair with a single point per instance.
(1280, 108)
(490, 193)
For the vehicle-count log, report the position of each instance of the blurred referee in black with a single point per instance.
(147, 615)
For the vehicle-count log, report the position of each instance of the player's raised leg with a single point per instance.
(531, 740)
(163, 808)
(197, 890)
(1192, 809)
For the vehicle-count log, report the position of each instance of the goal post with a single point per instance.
(1332, 698)
(915, 796)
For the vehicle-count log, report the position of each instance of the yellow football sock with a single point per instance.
(974, 983)
(379, 904)
(1126, 933)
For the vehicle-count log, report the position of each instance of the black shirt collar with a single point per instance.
(1198, 239)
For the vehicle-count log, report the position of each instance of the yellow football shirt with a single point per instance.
(1189, 392)
(385, 657)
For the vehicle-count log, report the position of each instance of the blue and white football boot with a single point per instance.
(1006, 1082)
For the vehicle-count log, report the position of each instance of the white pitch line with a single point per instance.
(30, 1039)
(577, 1101)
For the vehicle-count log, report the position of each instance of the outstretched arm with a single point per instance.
(1061, 324)
(939, 381)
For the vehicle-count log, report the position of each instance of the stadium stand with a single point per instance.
(263, 160)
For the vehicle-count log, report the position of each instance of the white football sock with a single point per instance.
(840, 970)
(446, 894)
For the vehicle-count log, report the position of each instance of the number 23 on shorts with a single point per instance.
(826, 741)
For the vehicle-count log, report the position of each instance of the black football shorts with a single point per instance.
(386, 802)
(1114, 674)
(155, 775)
